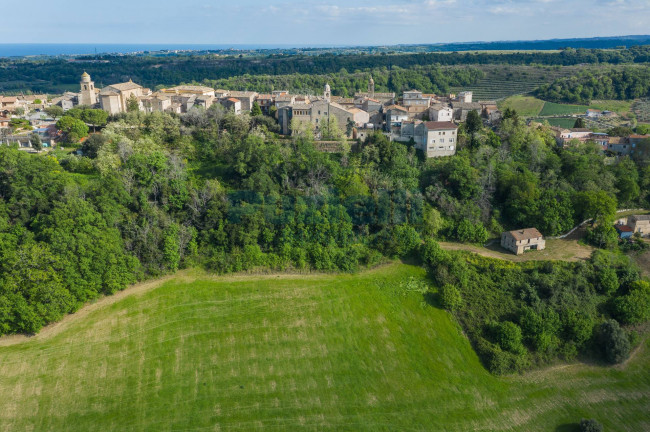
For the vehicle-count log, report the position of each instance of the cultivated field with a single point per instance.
(290, 352)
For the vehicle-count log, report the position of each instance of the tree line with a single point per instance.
(624, 84)
(54, 75)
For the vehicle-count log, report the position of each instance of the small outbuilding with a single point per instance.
(624, 231)
(519, 241)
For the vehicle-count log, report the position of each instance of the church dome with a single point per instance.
(85, 77)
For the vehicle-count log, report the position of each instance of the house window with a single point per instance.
(442, 140)
(451, 140)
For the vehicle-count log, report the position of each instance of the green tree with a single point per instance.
(596, 205)
(613, 342)
(634, 307)
(37, 143)
(54, 111)
(473, 122)
(132, 104)
(590, 425)
(579, 123)
(508, 335)
(256, 110)
(72, 128)
(95, 117)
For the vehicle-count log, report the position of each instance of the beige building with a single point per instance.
(88, 95)
(441, 113)
(519, 241)
(114, 97)
(190, 89)
(245, 97)
(157, 102)
(436, 139)
(639, 224)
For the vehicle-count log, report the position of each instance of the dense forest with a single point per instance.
(623, 84)
(156, 192)
(428, 79)
(52, 75)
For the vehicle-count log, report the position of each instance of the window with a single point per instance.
(451, 140)
(442, 140)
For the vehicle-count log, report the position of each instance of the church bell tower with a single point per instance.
(87, 95)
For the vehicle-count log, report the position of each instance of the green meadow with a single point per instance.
(363, 352)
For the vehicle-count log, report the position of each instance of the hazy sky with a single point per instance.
(322, 22)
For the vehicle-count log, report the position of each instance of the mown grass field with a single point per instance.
(289, 352)
(527, 106)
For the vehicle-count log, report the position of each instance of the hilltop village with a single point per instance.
(430, 120)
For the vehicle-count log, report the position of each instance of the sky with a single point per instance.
(318, 22)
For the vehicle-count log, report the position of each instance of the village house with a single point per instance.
(383, 98)
(441, 113)
(158, 102)
(265, 101)
(232, 104)
(461, 109)
(639, 224)
(436, 139)
(395, 115)
(245, 97)
(519, 241)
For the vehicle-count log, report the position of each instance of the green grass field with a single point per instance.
(281, 352)
(527, 106)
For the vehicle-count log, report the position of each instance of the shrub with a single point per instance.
(450, 297)
(607, 281)
(634, 307)
(508, 336)
(590, 425)
(432, 254)
(613, 342)
(468, 232)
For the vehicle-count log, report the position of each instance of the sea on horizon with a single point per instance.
(54, 49)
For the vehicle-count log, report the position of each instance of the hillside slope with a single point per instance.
(278, 352)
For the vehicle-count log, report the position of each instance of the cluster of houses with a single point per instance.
(428, 120)
(627, 227)
(621, 146)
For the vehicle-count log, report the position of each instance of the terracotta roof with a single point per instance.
(431, 125)
(624, 228)
(233, 100)
(265, 96)
(639, 136)
(525, 234)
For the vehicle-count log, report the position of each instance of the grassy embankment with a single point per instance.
(278, 352)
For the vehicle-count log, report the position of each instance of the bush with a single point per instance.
(590, 425)
(508, 336)
(432, 254)
(468, 232)
(634, 308)
(613, 342)
(607, 281)
(450, 297)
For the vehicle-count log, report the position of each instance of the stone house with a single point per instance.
(245, 97)
(441, 113)
(639, 224)
(519, 241)
(436, 139)
(232, 104)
